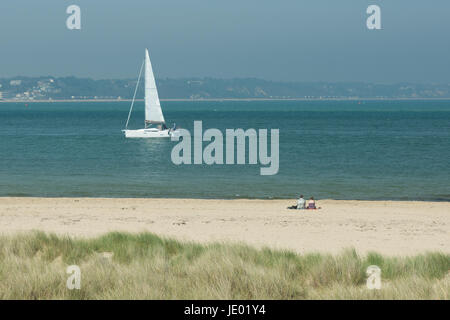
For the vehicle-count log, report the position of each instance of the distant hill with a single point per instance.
(43, 88)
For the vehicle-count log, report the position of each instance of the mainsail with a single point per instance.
(153, 112)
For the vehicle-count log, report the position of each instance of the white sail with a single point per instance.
(153, 112)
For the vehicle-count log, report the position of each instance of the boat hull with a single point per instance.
(149, 133)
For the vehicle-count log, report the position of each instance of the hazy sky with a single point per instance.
(306, 40)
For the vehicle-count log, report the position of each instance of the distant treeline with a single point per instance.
(209, 88)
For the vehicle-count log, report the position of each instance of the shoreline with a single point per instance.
(18, 195)
(387, 227)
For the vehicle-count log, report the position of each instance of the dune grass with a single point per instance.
(145, 266)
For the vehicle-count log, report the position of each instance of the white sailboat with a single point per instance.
(155, 125)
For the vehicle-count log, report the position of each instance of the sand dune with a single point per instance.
(389, 227)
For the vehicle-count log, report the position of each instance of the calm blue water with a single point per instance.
(328, 149)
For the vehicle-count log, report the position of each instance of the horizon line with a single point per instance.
(223, 99)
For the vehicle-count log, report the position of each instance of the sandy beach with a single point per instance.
(388, 227)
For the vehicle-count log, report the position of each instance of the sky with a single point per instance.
(288, 40)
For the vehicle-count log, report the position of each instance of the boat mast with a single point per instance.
(134, 96)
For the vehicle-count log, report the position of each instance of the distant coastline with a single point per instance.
(226, 99)
(210, 89)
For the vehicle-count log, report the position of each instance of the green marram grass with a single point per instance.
(145, 266)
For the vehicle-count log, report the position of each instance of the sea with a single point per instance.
(354, 149)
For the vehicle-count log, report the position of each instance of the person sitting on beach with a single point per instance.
(301, 202)
(311, 203)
